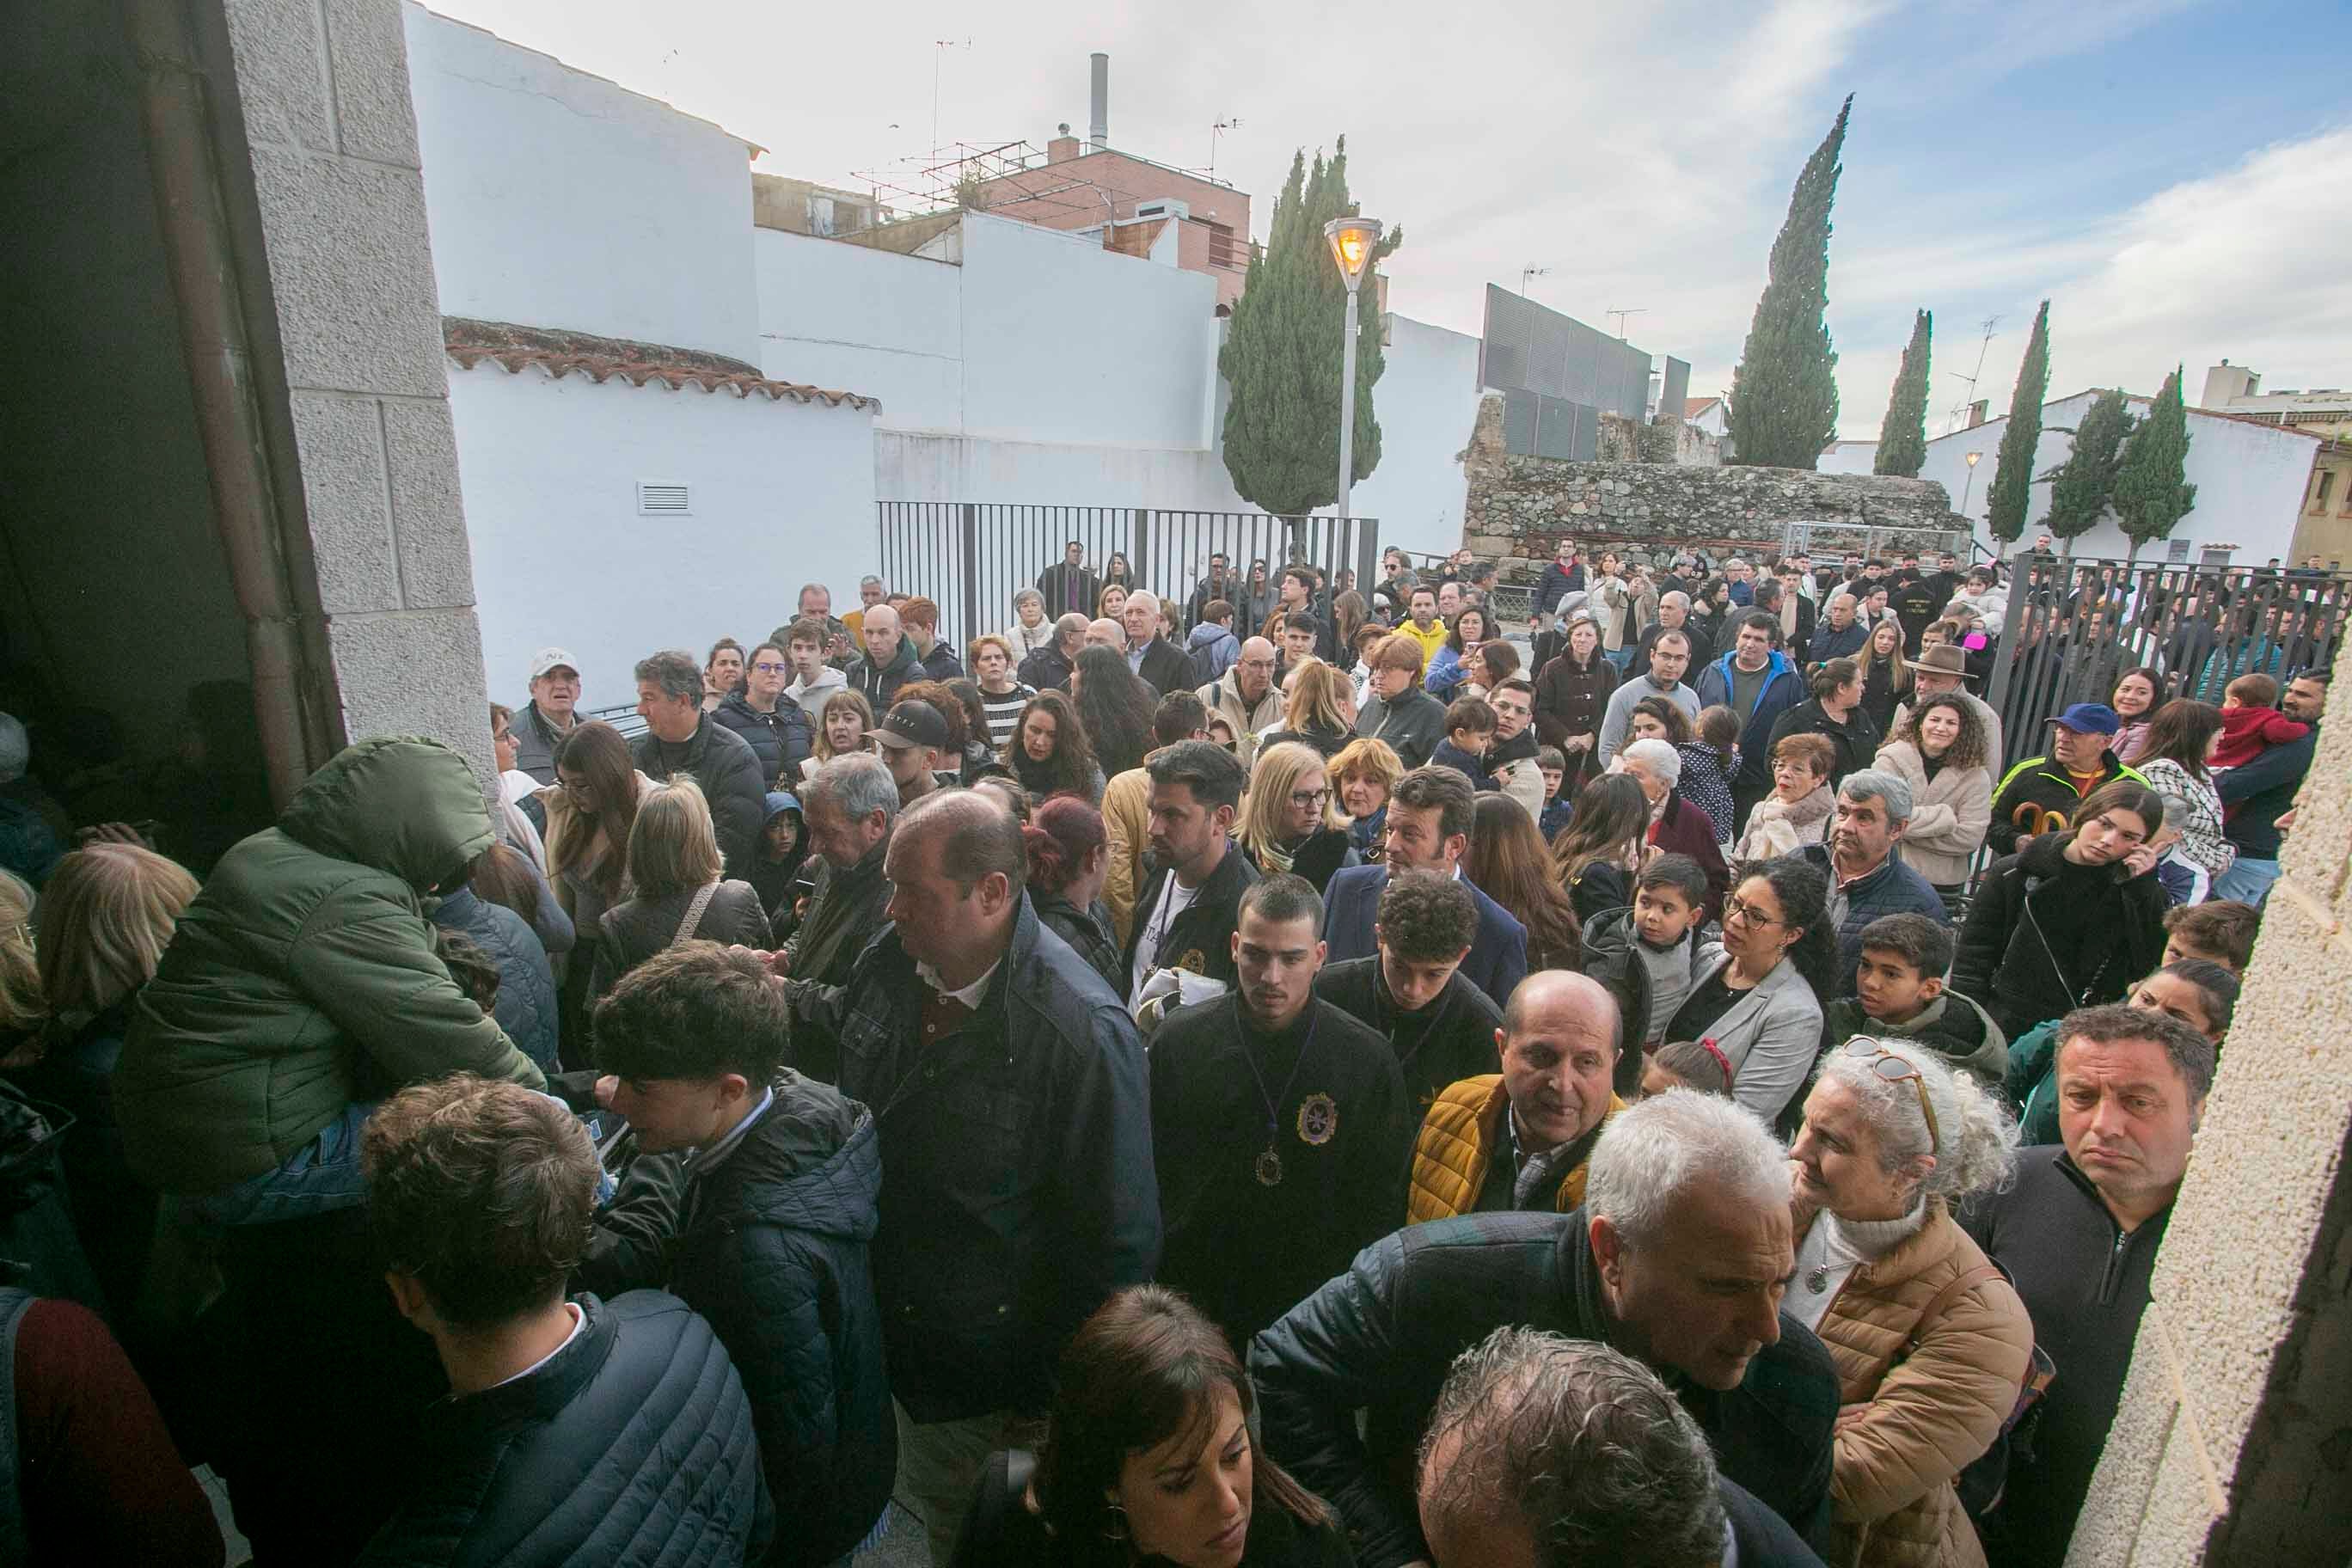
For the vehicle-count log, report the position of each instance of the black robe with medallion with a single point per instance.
(1246, 1251)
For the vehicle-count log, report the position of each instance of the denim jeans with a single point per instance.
(2248, 881)
(320, 1177)
(1618, 657)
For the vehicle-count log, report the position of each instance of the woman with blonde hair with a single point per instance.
(1321, 714)
(841, 726)
(105, 919)
(1932, 1344)
(1885, 677)
(1290, 821)
(1363, 775)
(22, 1011)
(678, 894)
(1111, 603)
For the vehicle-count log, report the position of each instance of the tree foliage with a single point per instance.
(1283, 351)
(1903, 433)
(2010, 495)
(2081, 487)
(2151, 496)
(1784, 397)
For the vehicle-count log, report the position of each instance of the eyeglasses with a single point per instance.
(1257, 663)
(1310, 799)
(1894, 1069)
(769, 666)
(1747, 914)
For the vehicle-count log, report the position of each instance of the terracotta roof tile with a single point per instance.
(600, 359)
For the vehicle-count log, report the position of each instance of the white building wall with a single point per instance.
(783, 493)
(2250, 480)
(1848, 458)
(869, 322)
(1038, 337)
(558, 199)
(1427, 400)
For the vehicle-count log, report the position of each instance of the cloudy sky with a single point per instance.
(2175, 175)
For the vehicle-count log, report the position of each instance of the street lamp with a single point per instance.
(1974, 458)
(1354, 240)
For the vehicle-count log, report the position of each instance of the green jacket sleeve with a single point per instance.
(367, 962)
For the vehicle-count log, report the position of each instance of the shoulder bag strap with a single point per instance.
(702, 898)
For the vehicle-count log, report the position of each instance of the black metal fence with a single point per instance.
(2073, 628)
(971, 557)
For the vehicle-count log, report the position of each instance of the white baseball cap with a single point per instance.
(548, 658)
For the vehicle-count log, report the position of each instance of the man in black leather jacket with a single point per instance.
(1678, 1257)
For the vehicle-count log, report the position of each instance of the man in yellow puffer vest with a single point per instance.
(1520, 1139)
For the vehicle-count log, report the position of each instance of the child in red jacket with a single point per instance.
(2250, 725)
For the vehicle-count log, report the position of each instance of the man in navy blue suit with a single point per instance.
(1428, 829)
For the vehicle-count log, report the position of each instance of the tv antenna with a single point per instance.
(1230, 122)
(1959, 414)
(940, 46)
(1621, 315)
(1528, 272)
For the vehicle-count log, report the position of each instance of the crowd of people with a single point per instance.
(1275, 1043)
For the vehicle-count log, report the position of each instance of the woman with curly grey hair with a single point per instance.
(1931, 1342)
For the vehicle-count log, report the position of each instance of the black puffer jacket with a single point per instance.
(783, 740)
(2046, 936)
(724, 764)
(632, 1445)
(1382, 1336)
(774, 1254)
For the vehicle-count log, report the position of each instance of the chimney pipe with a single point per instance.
(1099, 121)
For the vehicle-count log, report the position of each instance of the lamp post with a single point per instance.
(1974, 458)
(1353, 239)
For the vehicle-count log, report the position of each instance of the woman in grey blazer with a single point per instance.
(1763, 990)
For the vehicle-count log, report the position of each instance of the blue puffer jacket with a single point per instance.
(774, 1252)
(631, 1446)
(525, 1007)
(1783, 689)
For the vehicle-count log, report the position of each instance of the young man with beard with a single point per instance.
(1440, 1025)
(1277, 1125)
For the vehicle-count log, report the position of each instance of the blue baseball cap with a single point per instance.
(2090, 719)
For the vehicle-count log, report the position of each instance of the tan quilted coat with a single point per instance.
(1919, 1422)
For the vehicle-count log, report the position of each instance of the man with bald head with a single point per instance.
(1246, 696)
(1841, 634)
(1158, 662)
(1015, 1139)
(1519, 1139)
(1674, 615)
(889, 661)
(1107, 633)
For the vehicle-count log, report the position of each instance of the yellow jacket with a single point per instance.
(1456, 1143)
(1431, 640)
(1127, 825)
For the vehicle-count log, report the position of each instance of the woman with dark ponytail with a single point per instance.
(1148, 1458)
(1763, 989)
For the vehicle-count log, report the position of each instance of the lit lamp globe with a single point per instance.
(1354, 240)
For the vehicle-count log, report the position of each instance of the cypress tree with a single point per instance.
(2082, 487)
(1903, 433)
(2151, 496)
(2011, 492)
(1784, 397)
(1282, 354)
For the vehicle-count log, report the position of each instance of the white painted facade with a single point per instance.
(782, 493)
(1847, 457)
(558, 199)
(2250, 481)
(1037, 336)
